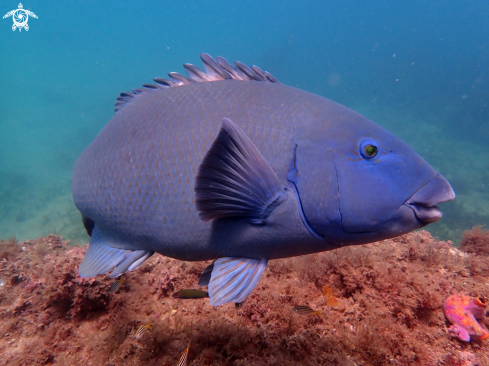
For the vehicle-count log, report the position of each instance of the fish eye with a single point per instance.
(369, 149)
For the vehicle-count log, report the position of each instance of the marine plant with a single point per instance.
(475, 241)
(392, 293)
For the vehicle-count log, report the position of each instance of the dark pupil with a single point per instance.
(370, 150)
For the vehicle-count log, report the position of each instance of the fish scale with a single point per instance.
(149, 122)
(231, 165)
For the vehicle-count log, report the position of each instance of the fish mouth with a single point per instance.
(426, 214)
(423, 202)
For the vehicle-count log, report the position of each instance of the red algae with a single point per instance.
(392, 291)
(475, 241)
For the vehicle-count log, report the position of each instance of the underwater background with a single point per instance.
(418, 68)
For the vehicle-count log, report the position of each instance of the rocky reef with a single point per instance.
(388, 308)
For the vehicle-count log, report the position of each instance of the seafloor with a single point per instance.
(390, 308)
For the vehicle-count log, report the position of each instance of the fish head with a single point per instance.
(358, 182)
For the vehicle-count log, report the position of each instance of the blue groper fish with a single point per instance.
(231, 165)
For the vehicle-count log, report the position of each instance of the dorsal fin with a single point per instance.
(215, 70)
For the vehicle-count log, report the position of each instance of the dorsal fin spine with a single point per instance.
(195, 73)
(247, 71)
(180, 79)
(270, 77)
(164, 82)
(150, 86)
(228, 67)
(259, 72)
(215, 70)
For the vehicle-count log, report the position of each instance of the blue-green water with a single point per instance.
(418, 68)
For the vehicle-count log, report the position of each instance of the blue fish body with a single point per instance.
(230, 164)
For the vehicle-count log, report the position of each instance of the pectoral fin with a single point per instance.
(233, 279)
(100, 258)
(235, 180)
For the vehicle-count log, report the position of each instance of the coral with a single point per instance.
(391, 295)
(475, 241)
(463, 311)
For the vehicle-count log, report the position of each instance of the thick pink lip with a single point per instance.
(423, 202)
(426, 214)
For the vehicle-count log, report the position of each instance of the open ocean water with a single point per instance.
(418, 68)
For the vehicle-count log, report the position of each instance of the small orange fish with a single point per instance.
(142, 329)
(184, 356)
(116, 285)
(306, 311)
(190, 294)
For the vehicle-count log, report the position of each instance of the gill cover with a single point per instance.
(312, 175)
(359, 183)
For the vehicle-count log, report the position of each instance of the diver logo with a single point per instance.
(20, 17)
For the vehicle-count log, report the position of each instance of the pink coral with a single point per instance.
(463, 311)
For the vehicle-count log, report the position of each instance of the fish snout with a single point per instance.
(423, 202)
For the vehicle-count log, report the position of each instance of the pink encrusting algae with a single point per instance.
(463, 311)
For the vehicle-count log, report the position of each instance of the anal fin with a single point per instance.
(205, 277)
(233, 279)
(100, 258)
